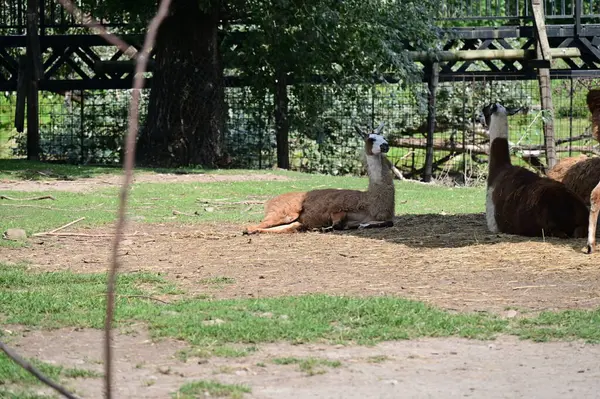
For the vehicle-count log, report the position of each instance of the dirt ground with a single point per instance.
(99, 182)
(446, 260)
(449, 261)
(425, 368)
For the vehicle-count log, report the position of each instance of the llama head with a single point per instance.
(485, 116)
(498, 125)
(375, 143)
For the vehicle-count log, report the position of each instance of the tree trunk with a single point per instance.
(186, 112)
(282, 122)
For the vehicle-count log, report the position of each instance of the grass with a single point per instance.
(217, 280)
(8, 394)
(156, 202)
(378, 359)
(205, 389)
(11, 373)
(214, 350)
(311, 365)
(64, 299)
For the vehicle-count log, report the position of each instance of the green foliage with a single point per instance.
(91, 132)
(347, 42)
(344, 41)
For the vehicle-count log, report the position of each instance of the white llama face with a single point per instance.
(378, 144)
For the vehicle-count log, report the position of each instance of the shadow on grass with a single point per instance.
(21, 169)
(448, 231)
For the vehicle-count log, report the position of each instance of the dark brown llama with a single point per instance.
(329, 209)
(521, 202)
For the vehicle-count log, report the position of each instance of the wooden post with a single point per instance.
(578, 9)
(21, 95)
(34, 73)
(282, 122)
(432, 87)
(544, 53)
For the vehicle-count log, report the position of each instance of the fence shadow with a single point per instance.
(448, 231)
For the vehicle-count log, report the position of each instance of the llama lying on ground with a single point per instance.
(329, 209)
(521, 202)
(581, 174)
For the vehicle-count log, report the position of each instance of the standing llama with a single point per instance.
(521, 202)
(581, 174)
(330, 209)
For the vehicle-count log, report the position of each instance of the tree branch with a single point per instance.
(138, 84)
(35, 372)
(87, 20)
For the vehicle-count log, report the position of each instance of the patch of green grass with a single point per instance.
(217, 280)
(18, 394)
(228, 351)
(378, 359)
(81, 373)
(200, 389)
(68, 299)
(568, 324)
(219, 350)
(11, 373)
(311, 366)
(21, 169)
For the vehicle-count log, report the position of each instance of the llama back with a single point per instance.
(560, 170)
(320, 205)
(582, 177)
(529, 204)
(287, 206)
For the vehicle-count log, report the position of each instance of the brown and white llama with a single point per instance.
(581, 174)
(519, 201)
(338, 209)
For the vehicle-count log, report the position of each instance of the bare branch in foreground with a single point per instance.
(138, 83)
(35, 372)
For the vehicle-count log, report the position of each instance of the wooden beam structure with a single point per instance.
(490, 55)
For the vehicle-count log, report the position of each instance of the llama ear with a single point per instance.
(360, 133)
(379, 128)
(512, 111)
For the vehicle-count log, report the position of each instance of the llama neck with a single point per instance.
(499, 153)
(499, 158)
(374, 168)
(379, 171)
(498, 126)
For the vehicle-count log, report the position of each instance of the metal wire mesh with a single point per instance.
(89, 127)
(7, 120)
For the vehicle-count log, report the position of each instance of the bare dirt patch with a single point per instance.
(423, 368)
(99, 182)
(445, 260)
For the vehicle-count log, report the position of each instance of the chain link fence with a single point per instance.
(89, 127)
